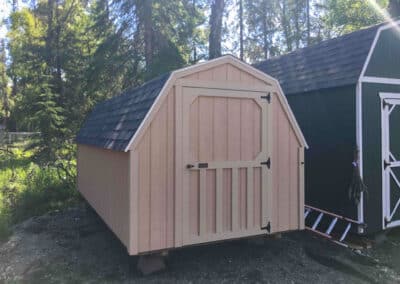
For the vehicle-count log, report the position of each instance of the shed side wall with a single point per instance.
(327, 119)
(285, 167)
(103, 179)
(156, 166)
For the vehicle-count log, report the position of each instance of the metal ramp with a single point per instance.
(332, 231)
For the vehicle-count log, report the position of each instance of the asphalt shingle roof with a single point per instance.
(112, 123)
(331, 63)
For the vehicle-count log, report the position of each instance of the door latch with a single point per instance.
(189, 166)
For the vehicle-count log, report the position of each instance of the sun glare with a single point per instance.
(384, 14)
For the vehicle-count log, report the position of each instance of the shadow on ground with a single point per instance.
(74, 245)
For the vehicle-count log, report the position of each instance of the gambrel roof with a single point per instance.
(115, 123)
(331, 63)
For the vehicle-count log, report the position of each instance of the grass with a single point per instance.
(27, 189)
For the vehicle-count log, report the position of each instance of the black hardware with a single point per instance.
(385, 164)
(189, 166)
(268, 227)
(385, 103)
(267, 163)
(267, 97)
(203, 165)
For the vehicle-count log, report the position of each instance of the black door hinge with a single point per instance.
(267, 163)
(268, 227)
(267, 97)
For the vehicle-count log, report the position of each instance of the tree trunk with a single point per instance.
(394, 8)
(217, 12)
(286, 28)
(265, 29)
(241, 29)
(148, 32)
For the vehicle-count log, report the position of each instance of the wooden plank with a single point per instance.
(301, 187)
(144, 194)
(203, 202)
(170, 192)
(220, 73)
(133, 203)
(219, 199)
(254, 91)
(233, 73)
(220, 129)
(250, 191)
(178, 167)
(235, 199)
(206, 149)
(233, 126)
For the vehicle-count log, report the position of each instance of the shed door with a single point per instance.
(391, 159)
(225, 180)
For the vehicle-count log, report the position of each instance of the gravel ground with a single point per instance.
(74, 246)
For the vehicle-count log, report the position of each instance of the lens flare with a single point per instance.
(384, 14)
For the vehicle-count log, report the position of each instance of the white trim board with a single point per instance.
(359, 132)
(380, 80)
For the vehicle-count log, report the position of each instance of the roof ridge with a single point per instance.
(321, 43)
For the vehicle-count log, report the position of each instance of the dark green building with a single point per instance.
(345, 94)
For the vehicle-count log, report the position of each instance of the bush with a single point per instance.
(28, 189)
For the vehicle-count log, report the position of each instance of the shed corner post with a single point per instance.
(301, 187)
(133, 248)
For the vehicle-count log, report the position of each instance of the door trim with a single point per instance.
(385, 151)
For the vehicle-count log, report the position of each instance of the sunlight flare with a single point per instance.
(384, 14)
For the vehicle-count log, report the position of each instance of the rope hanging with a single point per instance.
(357, 185)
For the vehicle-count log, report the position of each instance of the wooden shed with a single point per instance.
(206, 153)
(345, 93)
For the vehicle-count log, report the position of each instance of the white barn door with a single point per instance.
(390, 114)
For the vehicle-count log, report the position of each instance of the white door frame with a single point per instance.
(388, 102)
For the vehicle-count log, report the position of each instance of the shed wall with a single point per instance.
(103, 179)
(156, 186)
(328, 121)
(385, 60)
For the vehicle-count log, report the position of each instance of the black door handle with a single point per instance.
(189, 166)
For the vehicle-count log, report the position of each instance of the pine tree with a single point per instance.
(217, 12)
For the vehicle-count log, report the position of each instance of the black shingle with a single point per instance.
(112, 123)
(331, 63)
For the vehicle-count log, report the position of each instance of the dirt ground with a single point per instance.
(74, 246)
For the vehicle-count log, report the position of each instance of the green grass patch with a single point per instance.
(28, 189)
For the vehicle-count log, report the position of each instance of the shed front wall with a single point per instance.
(103, 179)
(372, 153)
(157, 221)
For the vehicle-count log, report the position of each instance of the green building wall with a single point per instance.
(328, 121)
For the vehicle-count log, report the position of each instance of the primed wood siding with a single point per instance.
(226, 73)
(286, 171)
(103, 179)
(222, 203)
(156, 181)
